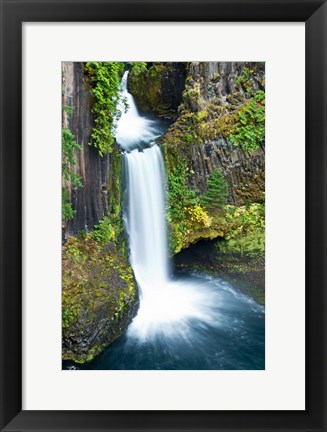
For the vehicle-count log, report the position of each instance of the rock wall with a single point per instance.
(158, 89)
(244, 173)
(214, 92)
(91, 202)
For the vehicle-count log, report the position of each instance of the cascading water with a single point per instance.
(145, 217)
(185, 321)
(163, 301)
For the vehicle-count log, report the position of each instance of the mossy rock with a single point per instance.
(237, 253)
(99, 297)
(158, 88)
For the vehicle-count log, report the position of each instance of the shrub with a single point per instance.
(138, 67)
(104, 232)
(216, 194)
(180, 195)
(67, 207)
(252, 118)
(69, 146)
(200, 217)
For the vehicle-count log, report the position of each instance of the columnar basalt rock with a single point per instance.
(90, 202)
(214, 91)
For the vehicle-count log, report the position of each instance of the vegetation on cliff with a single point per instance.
(237, 254)
(157, 86)
(69, 147)
(251, 132)
(239, 118)
(236, 119)
(217, 191)
(105, 77)
(145, 85)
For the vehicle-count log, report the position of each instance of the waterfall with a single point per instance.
(145, 217)
(145, 182)
(132, 130)
(167, 306)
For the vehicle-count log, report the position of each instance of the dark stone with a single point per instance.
(91, 201)
(158, 90)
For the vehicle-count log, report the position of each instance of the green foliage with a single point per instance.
(105, 77)
(246, 230)
(67, 208)
(104, 232)
(217, 191)
(252, 119)
(180, 196)
(244, 218)
(68, 109)
(181, 202)
(244, 80)
(138, 67)
(115, 200)
(69, 146)
(260, 96)
(251, 244)
(145, 84)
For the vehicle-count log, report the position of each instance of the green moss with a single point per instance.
(249, 244)
(241, 119)
(110, 228)
(244, 80)
(98, 297)
(251, 131)
(237, 252)
(191, 96)
(145, 83)
(244, 218)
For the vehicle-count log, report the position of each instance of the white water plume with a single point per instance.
(132, 130)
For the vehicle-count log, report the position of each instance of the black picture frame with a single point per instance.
(13, 14)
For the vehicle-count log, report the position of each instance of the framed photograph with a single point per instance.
(163, 215)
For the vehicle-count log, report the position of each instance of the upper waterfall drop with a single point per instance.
(133, 130)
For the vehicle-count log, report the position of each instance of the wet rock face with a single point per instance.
(158, 89)
(91, 201)
(172, 85)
